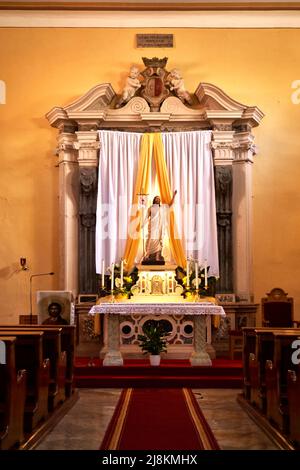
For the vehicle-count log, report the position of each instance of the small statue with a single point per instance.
(131, 87)
(176, 83)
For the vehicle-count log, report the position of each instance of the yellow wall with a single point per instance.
(43, 68)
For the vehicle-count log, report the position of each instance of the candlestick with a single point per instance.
(103, 270)
(112, 277)
(122, 273)
(205, 273)
(187, 273)
(196, 274)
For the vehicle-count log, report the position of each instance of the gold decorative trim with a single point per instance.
(150, 6)
(114, 442)
(197, 422)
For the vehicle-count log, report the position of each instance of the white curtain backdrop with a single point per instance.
(190, 166)
(118, 162)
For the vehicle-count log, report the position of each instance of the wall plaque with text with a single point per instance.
(154, 40)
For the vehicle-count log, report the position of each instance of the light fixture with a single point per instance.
(23, 264)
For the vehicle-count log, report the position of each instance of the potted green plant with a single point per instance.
(154, 342)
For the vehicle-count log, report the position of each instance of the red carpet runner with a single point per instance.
(158, 419)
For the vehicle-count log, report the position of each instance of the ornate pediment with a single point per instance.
(155, 98)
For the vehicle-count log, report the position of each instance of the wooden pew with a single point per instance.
(249, 341)
(12, 398)
(67, 344)
(52, 351)
(29, 356)
(276, 377)
(293, 392)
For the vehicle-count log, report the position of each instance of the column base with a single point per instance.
(113, 358)
(200, 359)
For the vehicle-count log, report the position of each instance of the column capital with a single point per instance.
(222, 146)
(87, 144)
(65, 148)
(245, 149)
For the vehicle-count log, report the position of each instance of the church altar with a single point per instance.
(200, 312)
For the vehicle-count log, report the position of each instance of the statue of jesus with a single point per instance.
(156, 219)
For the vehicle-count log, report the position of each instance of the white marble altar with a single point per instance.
(199, 311)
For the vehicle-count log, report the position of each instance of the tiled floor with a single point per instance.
(232, 427)
(84, 426)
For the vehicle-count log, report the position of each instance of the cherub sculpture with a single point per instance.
(131, 87)
(176, 84)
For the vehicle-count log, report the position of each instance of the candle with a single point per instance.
(103, 270)
(205, 273)
(122, 272)
(187, 273)
(196, 274)
(112, 276)
(141, 284)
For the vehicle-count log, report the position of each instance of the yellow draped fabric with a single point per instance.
(166, 197)
(151, 144)
(141, 185)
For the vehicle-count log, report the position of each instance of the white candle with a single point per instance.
(122, 273)
(141, 284)
(167, 281)
(196, 274)
(187, 273)
(205, 273)
(103, 270)
(112, 276)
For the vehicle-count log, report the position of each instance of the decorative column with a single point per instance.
(242, 213)
(113, 357)
(200, 357)
(87, 146)
(68, 213)
(222, 146)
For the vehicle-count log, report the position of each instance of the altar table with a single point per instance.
(198, 310)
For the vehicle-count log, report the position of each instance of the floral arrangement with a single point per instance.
(129, 280)
(204, 291)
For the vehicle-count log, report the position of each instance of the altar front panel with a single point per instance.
(177, 319)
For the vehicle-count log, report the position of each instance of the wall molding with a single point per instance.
(153, 19)
(150, 5)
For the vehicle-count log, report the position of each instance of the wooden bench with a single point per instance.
(29, 356)
(51, 350)
(276, 378)
(259, 345)
(293, 393)
(249, 343)
(12, 398)
(67, 344)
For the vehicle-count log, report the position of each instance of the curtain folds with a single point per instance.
(166, 197)
(118, 164)
(190, 168)
(181, 161)
(141, 186)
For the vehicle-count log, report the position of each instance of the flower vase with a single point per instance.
(154, 359)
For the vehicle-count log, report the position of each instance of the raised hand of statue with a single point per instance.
(174, 194)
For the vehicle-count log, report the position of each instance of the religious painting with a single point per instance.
(55, 307)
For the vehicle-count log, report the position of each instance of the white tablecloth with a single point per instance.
(184, 308)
